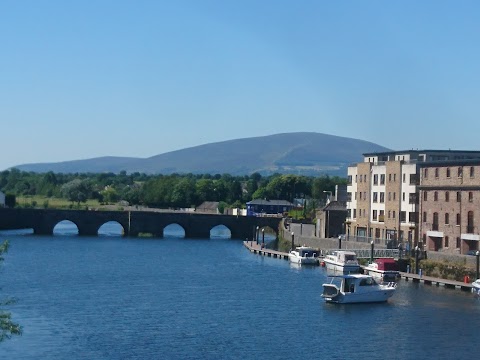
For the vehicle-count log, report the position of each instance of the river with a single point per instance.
(110, 297)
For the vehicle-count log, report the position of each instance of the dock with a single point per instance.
(257, 249)
(427, 280)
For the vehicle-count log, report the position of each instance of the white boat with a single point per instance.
(476, 287)
(357, 288)
(303, 255)
(384, 269)
(342, 261)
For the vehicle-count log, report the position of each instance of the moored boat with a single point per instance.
(303, 255)
(342, 261)
(384, 269)
(357, 288)
(476, 287)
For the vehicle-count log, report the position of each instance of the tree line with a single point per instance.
(165, 191)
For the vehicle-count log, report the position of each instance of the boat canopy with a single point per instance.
(387, 264)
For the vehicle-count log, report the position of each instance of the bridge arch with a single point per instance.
(220, 232)
(65, 227)
(174, 230)
(111, 228)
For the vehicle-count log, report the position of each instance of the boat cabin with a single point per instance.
(387, 264)
(305, 251)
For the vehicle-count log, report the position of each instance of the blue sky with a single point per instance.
(83, 79)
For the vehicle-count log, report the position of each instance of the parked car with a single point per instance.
(472, 252)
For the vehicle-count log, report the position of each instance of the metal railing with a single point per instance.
(377, 253)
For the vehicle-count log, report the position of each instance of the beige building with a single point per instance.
(450, 206)
(383, 195)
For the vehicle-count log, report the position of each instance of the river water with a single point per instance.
(174, 298)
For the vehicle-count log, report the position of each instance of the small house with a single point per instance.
(260, 207)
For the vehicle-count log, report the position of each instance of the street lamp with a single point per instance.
(371, 251)
(293, 242)
(263, 238)
(329, 195)
(477, 254)
(256, 234)
(417, 250)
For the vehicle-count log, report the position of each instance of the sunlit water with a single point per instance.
(109, 297)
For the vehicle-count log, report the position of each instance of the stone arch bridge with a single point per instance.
(195, 225)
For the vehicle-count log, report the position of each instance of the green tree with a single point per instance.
(7, 326)
(76, 190)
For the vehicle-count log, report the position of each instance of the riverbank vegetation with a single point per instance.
(57, 190)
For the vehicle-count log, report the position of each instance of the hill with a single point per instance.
(303, 153)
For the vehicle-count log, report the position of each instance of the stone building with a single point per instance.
(383, 195)
(450, 206)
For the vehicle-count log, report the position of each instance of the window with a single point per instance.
(375, 215)
(470, 196)
(446, 241)
(447, 196)
(435, 222)
(389, 177)
(470, 224)
(404, 178)
(393, 214)
(458, 219)
(425, 173)
(424, 196)
(389, 196)
(382, 197)
(394, 196)
(361, 177)
(355, 195)
(446, 219)
(403, 216)
(424, 217)
(394, 177)
(360, 195)
(389, 213)
(412, 217)
(435, 196)
(375, 199)
(460, 171)
(382, 179)
(364, 178)
(354, 213)
(403, 196)
(436, 172)
(459, 196)
(458, 243)
(381, 215)
(472, 171)
(412, 198)
(349, 196)
(375, 179)
(448, 172)
(356, 176)
(349, 180)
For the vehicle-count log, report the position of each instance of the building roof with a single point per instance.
(397, 152)
(336, 206)
(270, 202)
(212, 205)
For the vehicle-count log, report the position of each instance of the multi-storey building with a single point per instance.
(383, 195)
(450, 206)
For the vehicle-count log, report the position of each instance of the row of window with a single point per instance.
(435, 220)
(391, 177)
(379, 215)
(448, 172)
(380, 197)
(447, 196)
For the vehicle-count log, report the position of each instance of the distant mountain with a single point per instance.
(302, 153)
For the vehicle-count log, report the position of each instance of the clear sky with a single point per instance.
(83, 79)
